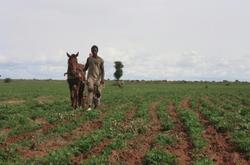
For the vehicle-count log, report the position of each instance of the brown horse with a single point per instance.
(75, 78)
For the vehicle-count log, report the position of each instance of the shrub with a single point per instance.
(7, 80)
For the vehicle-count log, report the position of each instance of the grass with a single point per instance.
(227, 108)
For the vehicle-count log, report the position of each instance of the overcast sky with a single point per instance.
(155, 39)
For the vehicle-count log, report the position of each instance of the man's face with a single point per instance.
(94, 51)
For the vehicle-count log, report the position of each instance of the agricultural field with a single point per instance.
(141, 123)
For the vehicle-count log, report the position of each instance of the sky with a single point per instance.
(154, 39)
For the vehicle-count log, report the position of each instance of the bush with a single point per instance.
(7, 80)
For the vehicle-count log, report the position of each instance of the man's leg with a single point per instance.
(99, 93)
(90, 93)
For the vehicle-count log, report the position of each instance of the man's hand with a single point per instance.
(102, 81)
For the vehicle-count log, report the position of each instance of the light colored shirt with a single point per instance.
(94, 67)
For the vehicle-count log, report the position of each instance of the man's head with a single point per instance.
(94, 50)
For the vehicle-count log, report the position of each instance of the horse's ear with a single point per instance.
(77, 54)
(68, 54)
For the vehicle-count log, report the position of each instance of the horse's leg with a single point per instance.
(77, 94)
(83, 99)
(71, 92)
(74, 96)
(81, 103)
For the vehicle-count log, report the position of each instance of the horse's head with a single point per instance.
(72, 63)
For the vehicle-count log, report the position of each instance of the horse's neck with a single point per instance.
(79, 68)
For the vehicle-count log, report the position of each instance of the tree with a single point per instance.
(118, 71)
(7, 80)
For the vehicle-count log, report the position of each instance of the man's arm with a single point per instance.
(102, 73)
(86, 66)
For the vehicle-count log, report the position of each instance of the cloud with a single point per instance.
(2, 60)
(154, 39)
(190, 65)
(138, 64)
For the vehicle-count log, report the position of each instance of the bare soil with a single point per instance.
(63, 140)
(138, 146)
(15, 138)
(43, 99)
(12, 101)
(219, 148)
(99, 148)
(183, 148)
(5, 131)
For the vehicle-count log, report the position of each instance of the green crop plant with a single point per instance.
(194, 128)
(158, 157)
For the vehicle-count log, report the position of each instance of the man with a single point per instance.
(95, 77)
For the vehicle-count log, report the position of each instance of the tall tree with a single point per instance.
(118, 71)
